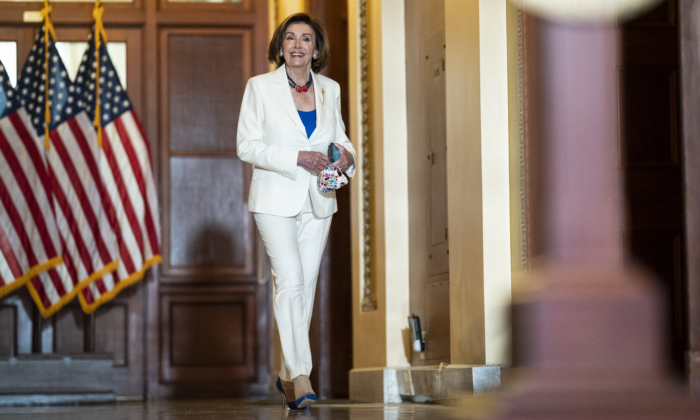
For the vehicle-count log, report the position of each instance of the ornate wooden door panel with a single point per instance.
(652, 157)
(212, 311)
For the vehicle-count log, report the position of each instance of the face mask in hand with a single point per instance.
(331, 179)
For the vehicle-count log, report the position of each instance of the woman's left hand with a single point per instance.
(346, 160)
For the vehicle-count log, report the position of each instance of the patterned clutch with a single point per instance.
(331, 179)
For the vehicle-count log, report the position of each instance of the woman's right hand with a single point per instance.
(312, 161)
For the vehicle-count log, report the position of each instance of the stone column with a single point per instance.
(589, 335)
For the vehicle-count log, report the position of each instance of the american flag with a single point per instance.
(30, 245)
(81, 204)
(125, 166)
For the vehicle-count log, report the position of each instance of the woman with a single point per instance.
(288, 119)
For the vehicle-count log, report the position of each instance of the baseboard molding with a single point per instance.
(58, 399)
(48, 379)
(423, 384)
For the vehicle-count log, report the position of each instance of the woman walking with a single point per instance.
(288, 120)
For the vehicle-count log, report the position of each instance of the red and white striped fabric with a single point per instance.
(30, 244)
(84, 212)
(125, 167)
(89, 241)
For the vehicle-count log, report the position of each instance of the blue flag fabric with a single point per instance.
(31, 85)
(113, 98)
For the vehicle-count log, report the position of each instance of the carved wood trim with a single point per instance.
(368, 302)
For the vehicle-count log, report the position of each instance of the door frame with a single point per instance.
(690, 109)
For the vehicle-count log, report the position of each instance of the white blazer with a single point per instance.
(271, 135)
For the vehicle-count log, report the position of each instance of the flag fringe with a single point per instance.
(124, 283)
(47, 312)
(24, 278)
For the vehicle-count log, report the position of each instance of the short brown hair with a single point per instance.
(322, 45)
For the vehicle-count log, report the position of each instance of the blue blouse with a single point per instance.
(309, 120)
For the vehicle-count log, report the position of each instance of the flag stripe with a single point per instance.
(129, 251)
(124, 198)
(32, 181)
(20, 124)
(152, 194)
(114, 208)
(72, 224)
(81, 150)
(92, 167)
(22, 235)
(41, 291)
(23, 144)
(13, 239)
(82, 196)
(87, 295)
(10, 258)
(32, 206)
(54, 293)
(68, 262)
(17, 223)
(109, 229)
(148, 216)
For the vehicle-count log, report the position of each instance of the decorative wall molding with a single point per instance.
(368, 302)
(521, 146)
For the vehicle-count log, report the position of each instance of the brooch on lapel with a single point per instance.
(323, 96)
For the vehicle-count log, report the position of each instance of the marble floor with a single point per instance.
(232, 410)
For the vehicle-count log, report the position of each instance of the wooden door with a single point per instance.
(437, 287)
(652, 158)
(116, 327)
(210, 302)
(427, 179)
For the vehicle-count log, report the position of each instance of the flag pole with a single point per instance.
(99, 33)
(48, 32)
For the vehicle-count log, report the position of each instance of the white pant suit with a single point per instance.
(292, 214)
(295, 246)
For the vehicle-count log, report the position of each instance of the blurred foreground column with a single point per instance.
(590, 336)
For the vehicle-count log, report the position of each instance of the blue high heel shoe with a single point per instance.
(305, 401)
(291, 405)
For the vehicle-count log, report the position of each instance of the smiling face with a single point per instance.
(299, 45)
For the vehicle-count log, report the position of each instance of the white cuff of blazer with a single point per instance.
(350, 171)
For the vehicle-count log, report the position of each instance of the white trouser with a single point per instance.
(295, 247)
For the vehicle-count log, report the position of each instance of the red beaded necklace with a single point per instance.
(304, 88)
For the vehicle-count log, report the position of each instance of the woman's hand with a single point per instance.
(346, 160)
(312, 161)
